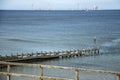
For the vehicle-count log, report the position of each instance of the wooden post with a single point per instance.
(8, 71)
(11, 55)
(95, 47)
(17, 55)
(85, 52)
(80, 52)
(98, 51)
(40, 54)
(6, 55)
(91, 51)
(22, 55)
(36, 54)
(27, 54)
(88, 51)
(32, 54)
(117, 77)
(76, 75)
(41, 72)
(50, 53)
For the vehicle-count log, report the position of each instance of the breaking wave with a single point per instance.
(112, 43)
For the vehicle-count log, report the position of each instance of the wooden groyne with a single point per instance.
(49, 55)
(41, 76)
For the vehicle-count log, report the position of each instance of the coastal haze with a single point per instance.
(59, 4)
(31, 31)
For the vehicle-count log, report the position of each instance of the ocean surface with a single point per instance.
(31, 31)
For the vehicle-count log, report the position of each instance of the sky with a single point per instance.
(58, 4)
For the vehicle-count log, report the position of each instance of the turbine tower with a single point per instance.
(95, 7)
(33, 5)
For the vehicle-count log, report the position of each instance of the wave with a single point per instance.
(112, 43)
(20, 40)
(111, 47)
(107, 44)
(116, 41)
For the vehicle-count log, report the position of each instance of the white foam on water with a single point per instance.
(107, 44)
(112, 43)
(116, 40)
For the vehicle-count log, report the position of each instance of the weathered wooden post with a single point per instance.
(80, 52)
(8, 71)
(54, 53)
(22, 55)
(27, 55)
(36, 54)
(41, 72)
(88, 51)
(76, 53)
(76, 74)
(58, 52)
(91, 52)
(85, 52)
(6, 55)
(32, 54)
(68, 54)
(98, 51)
(40, 53)
(117, 77)
(49, 53)
(11, 55)
(95, 47)
(17, 55)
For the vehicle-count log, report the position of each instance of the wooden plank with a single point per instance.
(41, 72)
(19, 64)
(76, 74)
(58, 67)
(19, 75)
(8, 71)
(33, 76)
(99, 71)
(117, 77)
(55, 78)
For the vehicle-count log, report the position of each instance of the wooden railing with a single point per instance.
(42, 77)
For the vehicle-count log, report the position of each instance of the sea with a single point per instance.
(30, 31)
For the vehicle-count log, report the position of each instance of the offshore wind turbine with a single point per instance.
(33, 5)
(95, 7)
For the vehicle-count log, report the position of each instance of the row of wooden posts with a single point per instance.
(41, 75)
(81, 51)
(67, 53)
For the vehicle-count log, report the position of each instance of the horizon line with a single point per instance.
(53, 10)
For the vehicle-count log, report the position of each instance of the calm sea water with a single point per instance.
(31, 31)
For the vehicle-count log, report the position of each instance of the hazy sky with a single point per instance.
(58, 4)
